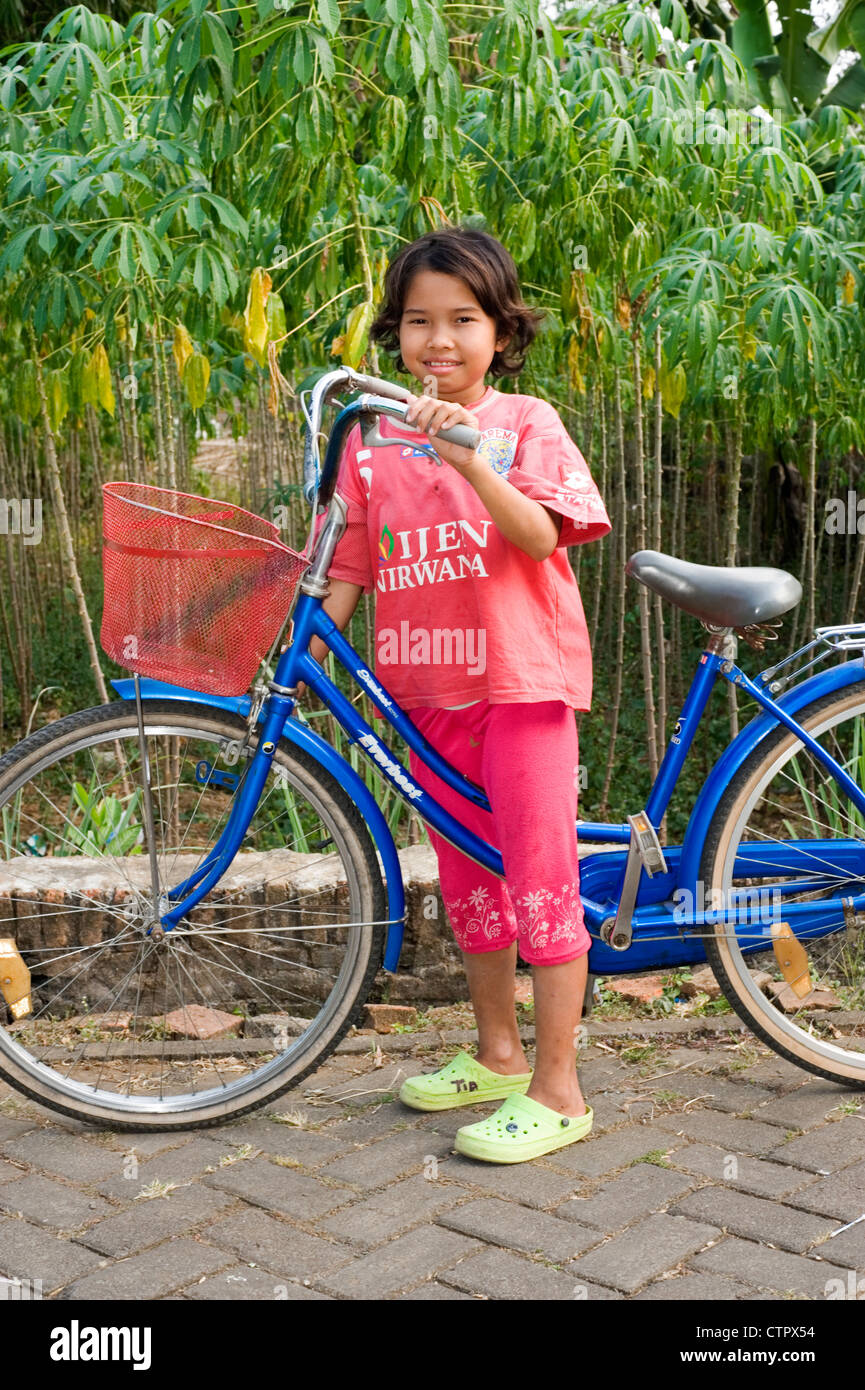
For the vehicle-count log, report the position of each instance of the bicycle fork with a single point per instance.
(219, 857)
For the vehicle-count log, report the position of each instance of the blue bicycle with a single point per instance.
(198, 891)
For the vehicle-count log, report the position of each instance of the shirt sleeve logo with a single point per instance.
(498, 447)
(578, 482)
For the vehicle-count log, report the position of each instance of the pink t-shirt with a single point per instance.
(462, 613)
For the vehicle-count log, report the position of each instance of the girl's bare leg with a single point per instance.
(558, 992)
(491, 976)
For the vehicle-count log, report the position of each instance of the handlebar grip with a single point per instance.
(459, 434)
(379, 387)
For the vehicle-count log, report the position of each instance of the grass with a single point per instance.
(638, 1052)
(612, 1007)
(296, 1118)
(747, 1056)
(420, 1025)
(656, 1156)
(156, 1188)
(243, 1151)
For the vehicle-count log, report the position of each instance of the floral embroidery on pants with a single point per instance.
(551, 919)
(475, 915)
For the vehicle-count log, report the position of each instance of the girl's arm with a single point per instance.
(339, 605)
(530, 525)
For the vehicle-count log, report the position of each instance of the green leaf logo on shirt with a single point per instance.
(386, 544)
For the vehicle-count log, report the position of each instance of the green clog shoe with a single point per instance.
(521, 1129)
(464, 1081)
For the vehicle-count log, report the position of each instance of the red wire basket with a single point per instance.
(195, 590)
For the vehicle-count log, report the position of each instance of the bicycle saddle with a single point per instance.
(732, 596)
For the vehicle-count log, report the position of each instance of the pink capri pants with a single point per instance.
(525, 756)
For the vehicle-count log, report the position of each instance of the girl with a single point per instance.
(480, 635)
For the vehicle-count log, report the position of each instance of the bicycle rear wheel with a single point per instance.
(249, 993)
(782, 793)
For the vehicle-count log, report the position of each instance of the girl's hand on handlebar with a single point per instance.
(430, 414)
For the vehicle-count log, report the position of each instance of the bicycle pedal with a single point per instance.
(792, 959)
(14, 979)
(645, 836)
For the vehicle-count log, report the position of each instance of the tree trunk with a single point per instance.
(733, 435)
(620, 606)
(657, 601)
(158, 409)
(645, 640)
(63, 531)
(601, 550)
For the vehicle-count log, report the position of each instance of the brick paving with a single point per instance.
(716, 1170)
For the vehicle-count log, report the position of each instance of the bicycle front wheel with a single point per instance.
(783, 834)
(249, 993)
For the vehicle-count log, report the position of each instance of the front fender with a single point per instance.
(304, 737)
(836, 678)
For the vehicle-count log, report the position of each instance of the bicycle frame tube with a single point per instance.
(296, 664)
(843, 778)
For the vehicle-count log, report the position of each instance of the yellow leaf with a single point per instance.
(848, 284)
(577, 381)
(58, 400)
(570, 297)
(356, 329)
(648, 383)
(96, 385)
(623, 311)
(674, 386)
(275, 315)
(182, 348)
(380, 269)
(195, 380)
(254, 317)
(122, 331)
(337, 345)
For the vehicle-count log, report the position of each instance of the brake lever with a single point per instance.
(372, 436)
(464, 435)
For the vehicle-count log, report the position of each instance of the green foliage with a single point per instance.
(97, 825)
(154, 162)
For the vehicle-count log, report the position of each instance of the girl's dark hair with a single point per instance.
(488, 270)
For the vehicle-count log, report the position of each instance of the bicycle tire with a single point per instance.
(766, 1021)
(98, 725)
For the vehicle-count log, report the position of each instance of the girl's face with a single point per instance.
(443, 322)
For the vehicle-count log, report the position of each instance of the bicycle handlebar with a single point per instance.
(379, 397)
